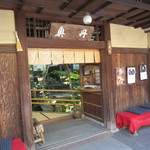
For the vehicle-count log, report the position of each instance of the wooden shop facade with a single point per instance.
(118, 54)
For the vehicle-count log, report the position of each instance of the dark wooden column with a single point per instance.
(107, 82)
(24, 82)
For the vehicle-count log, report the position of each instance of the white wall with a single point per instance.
(148, 39)
(124, 36)
(7, 27)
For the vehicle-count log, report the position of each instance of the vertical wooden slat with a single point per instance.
(10, 111)
(24, 82)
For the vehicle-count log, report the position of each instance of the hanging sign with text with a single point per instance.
(71, 31)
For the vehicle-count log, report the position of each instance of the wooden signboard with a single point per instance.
(71, 31)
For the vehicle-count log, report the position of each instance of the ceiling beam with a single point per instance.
(146, 27)
(137, 15)
(139, 20)
(59, 18)
(21, 5)
(142, 24)
(121, 14)
(38, 11)
(132, 3)
(100, 7)
(65, 4)
(88, 2)
(99, 18)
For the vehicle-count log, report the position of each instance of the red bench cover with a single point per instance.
(133, 121)
(17, 144)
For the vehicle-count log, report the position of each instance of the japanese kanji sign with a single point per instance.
(71, 31)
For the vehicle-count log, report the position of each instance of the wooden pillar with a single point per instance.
(24, 82)
(107, 81)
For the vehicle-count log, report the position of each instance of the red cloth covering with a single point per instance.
(17, 144)
(133, 121)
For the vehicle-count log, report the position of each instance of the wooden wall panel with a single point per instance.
(120, 98)
(92, 104)
(10, 111)
(130, 95)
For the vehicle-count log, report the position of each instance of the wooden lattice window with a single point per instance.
(37, 28)
(41, 29)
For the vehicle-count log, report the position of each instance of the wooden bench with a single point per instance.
(133, 121)
(38, 131)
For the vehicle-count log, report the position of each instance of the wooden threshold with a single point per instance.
(55, 120)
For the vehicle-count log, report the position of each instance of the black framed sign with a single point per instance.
(143, 72)
(131, 75)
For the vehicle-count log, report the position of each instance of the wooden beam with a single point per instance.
(142, 24)
(146, 27)
(121, 14)
(100, 7)
(60, 19)
(121, 50)
(98, 18)
(38, 11)
(65, 4)
(88, 2)
(21, 4)
(7, 48)
(132, 3)
(48, 43)
(139, 21)
(24, 82)
(137, 15)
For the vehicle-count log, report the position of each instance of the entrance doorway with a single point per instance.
(57, 88)
(83, 67)
(55, 91)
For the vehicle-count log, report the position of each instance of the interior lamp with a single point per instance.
(87, 19)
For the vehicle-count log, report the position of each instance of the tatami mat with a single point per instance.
(42, 116)
(39, 116)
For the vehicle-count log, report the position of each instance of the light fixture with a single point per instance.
(87, 19)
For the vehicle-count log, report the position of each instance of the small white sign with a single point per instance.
(131, 72)
(143, 72)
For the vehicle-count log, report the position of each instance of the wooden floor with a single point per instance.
(50, 117)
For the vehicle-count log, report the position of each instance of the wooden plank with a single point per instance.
(48, 43)
(143, 23)
(93, 104)
(122, 14)
(121, 50)
(138, 15)
(71, 31)
(24, 82)
(132, 4)
(101, 7)
(65, 4)
(63, 100)
(54, 104)
(88, 2)
(10, 111)
(95, 117)
(55, 90)
(7, 48)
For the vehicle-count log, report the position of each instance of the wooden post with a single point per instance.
(108, 89)
(24, 84)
